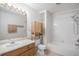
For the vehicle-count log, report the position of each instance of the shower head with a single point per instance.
(76, 17)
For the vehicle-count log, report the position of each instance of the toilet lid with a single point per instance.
(41, 46)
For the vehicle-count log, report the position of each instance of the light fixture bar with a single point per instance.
(13, 8)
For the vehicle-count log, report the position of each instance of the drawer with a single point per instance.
(31, 45)
(30, 52)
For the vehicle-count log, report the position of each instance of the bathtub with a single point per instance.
(64, 49)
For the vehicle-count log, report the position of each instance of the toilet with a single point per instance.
(41, 49)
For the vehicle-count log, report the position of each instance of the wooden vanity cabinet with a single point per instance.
(28, 50)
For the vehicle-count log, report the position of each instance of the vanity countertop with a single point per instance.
(14, 45)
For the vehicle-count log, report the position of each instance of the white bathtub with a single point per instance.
(64, 49)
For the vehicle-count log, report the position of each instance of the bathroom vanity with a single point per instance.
(28, 50)
(25, 48)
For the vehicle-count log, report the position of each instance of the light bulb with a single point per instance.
(9, 4)
(14, 6)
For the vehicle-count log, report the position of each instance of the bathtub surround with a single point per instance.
(64, 38)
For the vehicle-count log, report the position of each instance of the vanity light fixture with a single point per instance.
(9, 4)
(13, 8)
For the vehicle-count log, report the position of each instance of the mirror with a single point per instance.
(13, 24)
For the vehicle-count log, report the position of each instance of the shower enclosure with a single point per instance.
(65, 34)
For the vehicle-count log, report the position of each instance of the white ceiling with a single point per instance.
(52, 7)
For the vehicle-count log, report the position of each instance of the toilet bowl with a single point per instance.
(41, 48)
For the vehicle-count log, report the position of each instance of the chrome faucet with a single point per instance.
(12, 42)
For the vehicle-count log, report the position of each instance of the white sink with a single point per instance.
(16, 43)
(12, 44)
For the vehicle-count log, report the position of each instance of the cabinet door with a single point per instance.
(30, 52)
